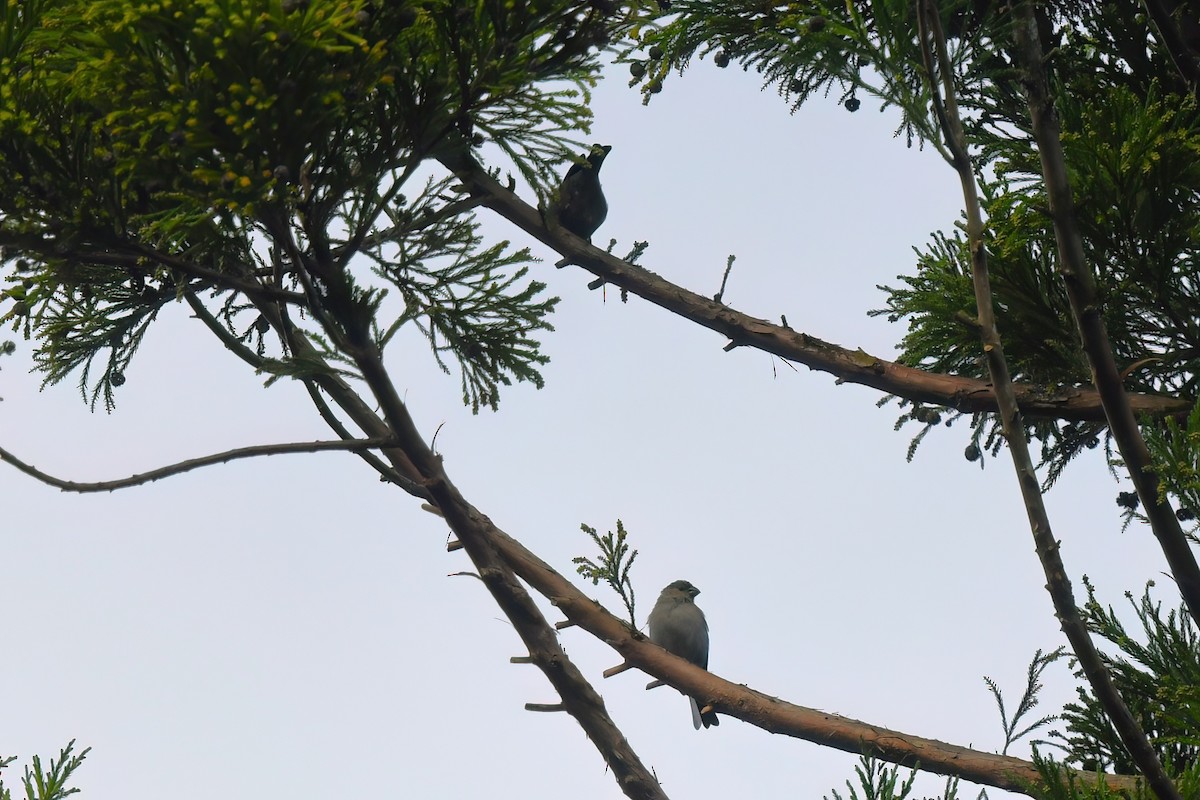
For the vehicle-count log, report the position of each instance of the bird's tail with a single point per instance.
(707, 719)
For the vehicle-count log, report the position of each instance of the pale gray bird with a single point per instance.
(678, 626)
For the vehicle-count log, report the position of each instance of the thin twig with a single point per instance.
(251, 288)
(258, 362)
(192, 463)
(376, 463)
(720, 295)
(332, 383)
(231, 342)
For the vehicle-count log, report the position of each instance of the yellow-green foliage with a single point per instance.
(136, 134)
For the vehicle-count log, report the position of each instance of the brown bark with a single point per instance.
(1081, 403)
(762, 710)
(411, 458)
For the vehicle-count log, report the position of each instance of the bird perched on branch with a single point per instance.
(678, 626)
(580, 206)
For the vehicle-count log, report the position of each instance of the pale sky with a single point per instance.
(286, 627)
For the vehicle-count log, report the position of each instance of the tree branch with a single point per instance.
(851, 366)
(413, 457)
(192, 463)
(386, 473)
(1172, 41)
(1085, 307)
(579, 698)
(250, 288)
(481, 538)
(405, 475)
(418, 467)
(940, 71)
(232, 343)
(759, 709)
(500, 559)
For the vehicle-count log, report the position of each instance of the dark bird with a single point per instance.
(580, 206)
(678, 626)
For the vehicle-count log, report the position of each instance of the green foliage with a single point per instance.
(1176, 454)
(1131, 137)
(1028, 701)
(49, 783)
(1058, 783)
(1134, 171)
(153, 151)
(1159, 677)
(803, 49)
(612, 567)
(464, 297)
(879, 781)
(327, 95)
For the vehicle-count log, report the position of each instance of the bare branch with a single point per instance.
(545, 707)
(611, 671)
(405, 475)
(579, 699)
(766, 712)
(385, 472)
(192, 463)
(850, 366)
(253, 359)
(501, 559)
(419, 469)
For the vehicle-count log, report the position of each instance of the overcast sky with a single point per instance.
(286, 627)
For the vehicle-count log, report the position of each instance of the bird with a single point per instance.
(677, 625)
(580, 206)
